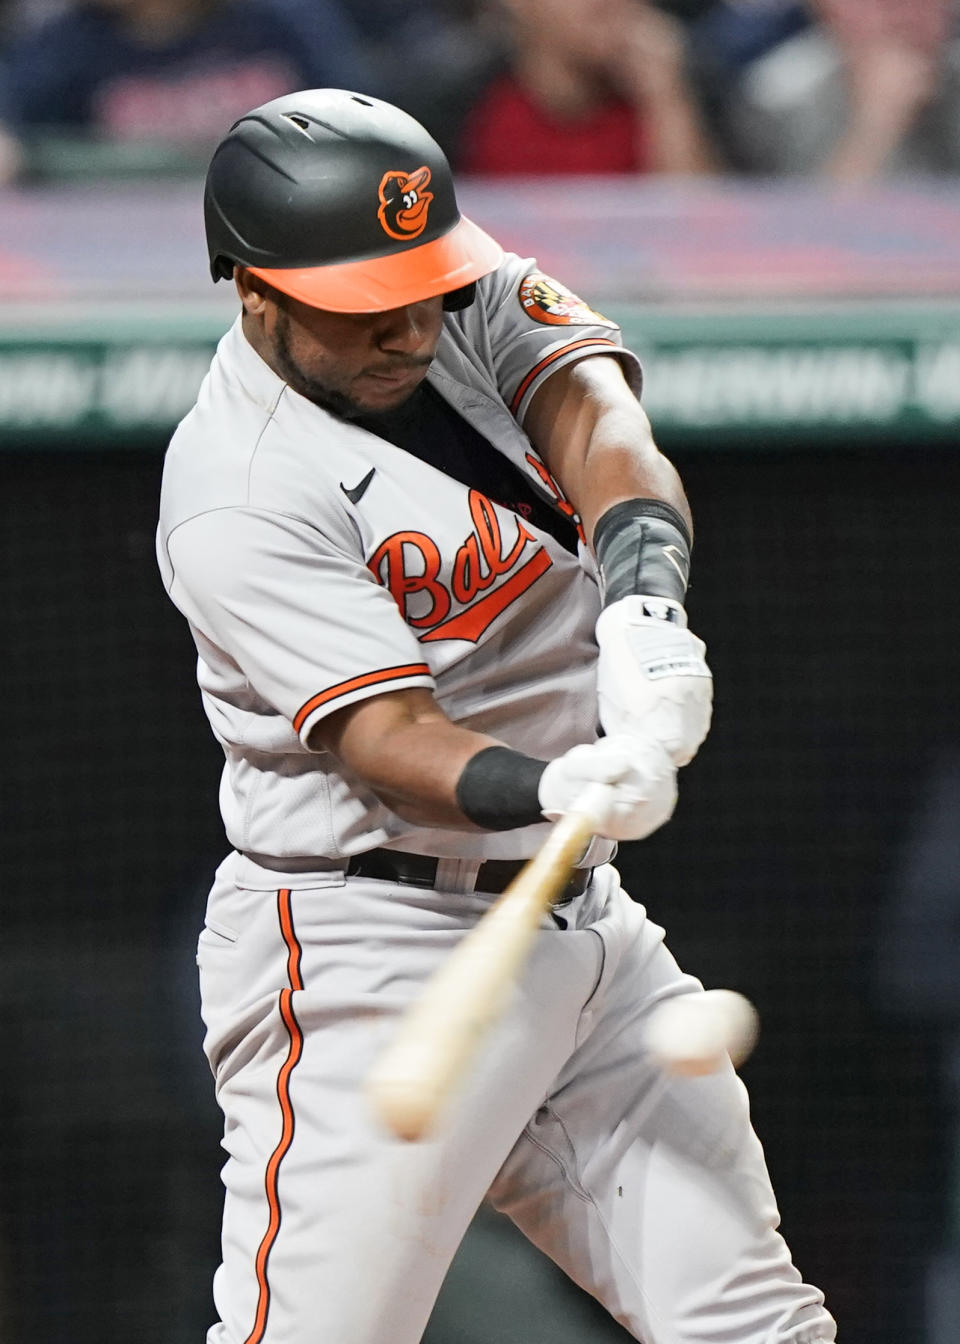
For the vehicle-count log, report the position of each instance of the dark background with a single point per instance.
(825, 587)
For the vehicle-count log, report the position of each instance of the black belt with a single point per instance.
(420, 870)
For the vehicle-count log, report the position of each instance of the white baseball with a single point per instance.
(693, 1034)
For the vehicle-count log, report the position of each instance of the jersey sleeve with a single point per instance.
(305, 621)
(535, 326)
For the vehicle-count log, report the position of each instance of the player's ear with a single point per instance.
(252, 291)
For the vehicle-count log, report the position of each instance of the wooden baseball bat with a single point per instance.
(440, 1033)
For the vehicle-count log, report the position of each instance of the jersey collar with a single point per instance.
(255, 376)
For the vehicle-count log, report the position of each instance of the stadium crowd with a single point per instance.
(848, 89)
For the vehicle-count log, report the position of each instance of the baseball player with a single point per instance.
(424, 540)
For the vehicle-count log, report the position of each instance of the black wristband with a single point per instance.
(498, 789)
(642, 546)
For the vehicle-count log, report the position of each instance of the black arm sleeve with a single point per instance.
(498, 789)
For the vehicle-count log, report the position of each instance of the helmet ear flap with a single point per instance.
(459, 298)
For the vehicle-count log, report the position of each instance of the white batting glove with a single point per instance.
(651, 676)
(642, 784)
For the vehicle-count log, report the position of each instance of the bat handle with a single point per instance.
(593, 802)
(579, 825)
(436, 1039)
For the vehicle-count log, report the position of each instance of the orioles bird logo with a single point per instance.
(404, 202)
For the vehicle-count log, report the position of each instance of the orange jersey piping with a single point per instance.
(550, 359)
(356, 684)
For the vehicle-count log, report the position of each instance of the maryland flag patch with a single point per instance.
(543, 299)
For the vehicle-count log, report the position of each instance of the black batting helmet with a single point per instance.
(341, 201)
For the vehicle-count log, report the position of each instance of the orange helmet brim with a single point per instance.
(377, 284)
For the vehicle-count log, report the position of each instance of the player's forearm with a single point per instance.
(434, 773)
(621, 462)
(427, 767)
(404, 748)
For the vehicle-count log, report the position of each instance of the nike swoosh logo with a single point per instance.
(357, 492)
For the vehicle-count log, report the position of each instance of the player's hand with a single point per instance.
(652, 679)
(642, 783)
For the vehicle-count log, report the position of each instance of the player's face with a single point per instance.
(354, 363)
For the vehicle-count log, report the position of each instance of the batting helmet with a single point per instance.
(344, 202)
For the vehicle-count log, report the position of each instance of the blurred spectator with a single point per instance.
(686, 9)
(176, 71)
(18, 15)
(592, 86)
(431, 57)
(848, 89)
(893, 53)
(726, 37)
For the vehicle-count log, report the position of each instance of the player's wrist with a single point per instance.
(642, 609)
(499, 789)
(632, 780)
(643, 550)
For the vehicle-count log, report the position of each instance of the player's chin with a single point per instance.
(385, 392)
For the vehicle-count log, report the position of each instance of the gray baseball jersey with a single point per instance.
(318, 564)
